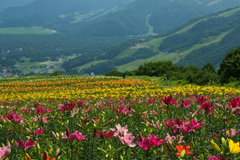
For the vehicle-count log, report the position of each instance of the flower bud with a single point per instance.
(182, 153)
(169, 148)
(45, 155)
(215, 146)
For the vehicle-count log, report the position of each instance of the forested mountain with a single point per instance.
(199, 41)
(110, 17)
(4, 4)
(78, 35)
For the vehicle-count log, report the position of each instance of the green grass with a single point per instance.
(174, 56)
(150, 28)
(229, 13)
(160, 81)
(24, 30)
(79, 18)
(87, 65)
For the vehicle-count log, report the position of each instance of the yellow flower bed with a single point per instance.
(98, 88)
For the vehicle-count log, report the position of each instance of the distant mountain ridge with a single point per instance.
(4, 4)
(111, 18)
(199, 41)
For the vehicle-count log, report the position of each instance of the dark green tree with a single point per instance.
(230, 66)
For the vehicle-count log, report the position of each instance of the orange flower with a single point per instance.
(181, 148)
(47, 157)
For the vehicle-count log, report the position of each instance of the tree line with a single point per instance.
(228, 71)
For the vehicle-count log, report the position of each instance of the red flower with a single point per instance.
(47, 157)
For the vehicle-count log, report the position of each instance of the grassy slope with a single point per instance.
(24, 30)
(174, 56)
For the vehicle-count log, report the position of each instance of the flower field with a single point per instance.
(71, 117)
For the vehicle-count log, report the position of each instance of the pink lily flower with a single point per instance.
(71, 137)
(173, 138)
(4, 151)
(232, 132)
(25, 145)
(118, 130)
(127, 139)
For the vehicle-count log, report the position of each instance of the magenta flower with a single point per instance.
(123, 110)
(235, 102)
(66, 106)
(4, 151)
(207, 106)
(200, 99)
(25, 111)
(14, 117)
(104, 133)
(169, 123)
(40, 110)
(38, 131)
(195, 124)
(168, 100)
(71, 137)
(190, 126)
(79, 103)
(25, 145)
(156, 141)
(215, 158)
(78, 136)
(145, 143)
(184, 104)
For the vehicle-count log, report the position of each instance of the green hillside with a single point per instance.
(24, 30)
(203, 40)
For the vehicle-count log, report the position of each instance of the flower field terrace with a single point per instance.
(112, 118)
(75, 87)
(72, 88)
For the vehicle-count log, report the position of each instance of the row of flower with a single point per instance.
(188, 122)
(101, 87)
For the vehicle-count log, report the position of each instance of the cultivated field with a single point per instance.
(72, 117)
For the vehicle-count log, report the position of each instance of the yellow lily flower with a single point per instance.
(233, 147)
